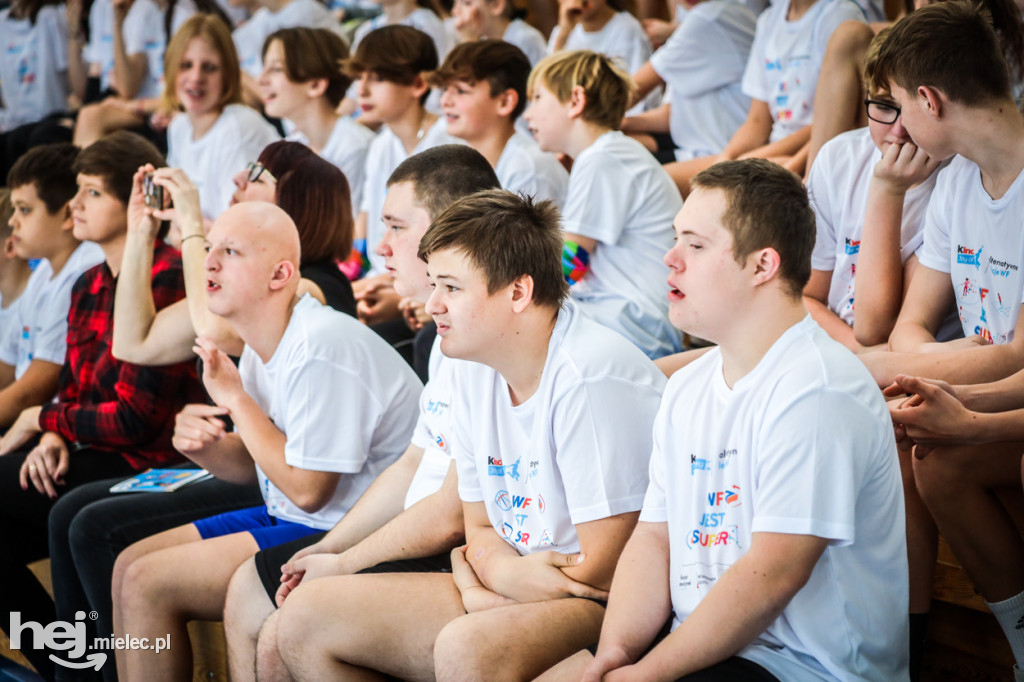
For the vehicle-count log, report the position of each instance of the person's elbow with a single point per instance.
(873, 332)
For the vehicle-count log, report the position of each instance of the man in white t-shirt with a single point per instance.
(483, 92)
(33, 340)
(553, 415)
(620, 202)
(972, 258)
(771, 541)
(377, 534)
(316, 420)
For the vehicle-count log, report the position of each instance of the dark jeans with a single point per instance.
(91, 526)
(24, 516)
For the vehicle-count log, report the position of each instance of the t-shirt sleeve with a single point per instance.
(596, 204)
(935, 250)
(52, 331)
(602, 434)
(9, 336)
(755, 82)
(322, 437)
(137, 28)
(818, 184)
(806, 472)
(688, 66)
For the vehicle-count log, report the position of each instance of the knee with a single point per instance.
(938, 477)
(246, 605)
(136, 579)
(462, 652)
(296, 619)
(850, 40)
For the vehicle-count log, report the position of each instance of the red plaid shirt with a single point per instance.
(112, 405)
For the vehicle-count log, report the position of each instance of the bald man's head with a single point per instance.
(253, 256)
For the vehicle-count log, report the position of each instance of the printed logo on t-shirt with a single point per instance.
(969, 256)
(726, 537)
(852, 246)
(1000, 268)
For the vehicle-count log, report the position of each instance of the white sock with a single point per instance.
(1010, 614)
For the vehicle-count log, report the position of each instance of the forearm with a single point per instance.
(976, 365)
(431, 526)
(753, 133)
(833, 325)
(653, 121)
(879, 266)
(908, 336)
(227, 459)
(125, 78)
(381, 502)
(787, 146)
(670, 364)
(646, 79)
(78, 72)
(37, 385)
(1003, 395)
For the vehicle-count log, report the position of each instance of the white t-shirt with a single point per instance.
(420, 18)
(620, 196)
(100, 49)
(346, 148)
(38, 329)
(33, 66)
(250, 36)
(622, 38)
(526, 38)
(345, 400)
(801, 445)
(979, 241)
(525, 168)
(144, 33)
(702, 64)
(838, 189)
(573, 452)
(786, 59)
(433, 428)
(236, 138)
(385, 153)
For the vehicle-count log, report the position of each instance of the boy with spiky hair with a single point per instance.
(620, 203)
(483, 92)
(553, 422)
(33, 341)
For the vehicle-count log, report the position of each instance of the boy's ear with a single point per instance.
(577, 101)
(507, 102)
(497, 7)
(8, 249)
(522, 293)
(766, 265)
(932, 99)
(283, 273)
(316, 88)
(420, 85)
(69, 222)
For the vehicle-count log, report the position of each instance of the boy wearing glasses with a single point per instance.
(869, 189)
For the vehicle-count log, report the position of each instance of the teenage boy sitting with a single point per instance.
(483, 86)
(390, 67)
(973, 255)
(412, 510)
(620, 203)
(110, 418)
(553, 417)
(33, 340)
(320, 405)
(757, 575)
(869, 190)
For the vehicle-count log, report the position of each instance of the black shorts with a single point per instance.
(270, 560)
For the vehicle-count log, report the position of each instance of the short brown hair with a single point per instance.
(6, 211)
(444, 174)
(506, 236)
(50, 168)
(216, 33)
(501, 64)
(395, 53)
(950, 46)
(871, 84)
(607, 87)
(312, 54)
(767, 207)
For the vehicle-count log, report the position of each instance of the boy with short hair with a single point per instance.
(972, 256)
(33, 340)
(483, 86)
(14, 270)
(377, 532)
(390, 68)
(620, 202)
(553, 416)
(316, 419)
(753, 569)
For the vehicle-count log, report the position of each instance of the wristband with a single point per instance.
(575, 262)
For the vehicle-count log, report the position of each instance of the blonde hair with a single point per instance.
(607, 87)
(217, 35)
(871, 62)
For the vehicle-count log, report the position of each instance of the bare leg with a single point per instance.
(165, 589)
(348, 627)
(957, 485)
(922, 539)
(837, 101)
(269, 666)
(527, 639)
(245, 609)
(683, 171)
(568, 670)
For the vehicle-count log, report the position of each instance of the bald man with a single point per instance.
(320, 405)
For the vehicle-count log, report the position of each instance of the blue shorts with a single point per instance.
(268, 530)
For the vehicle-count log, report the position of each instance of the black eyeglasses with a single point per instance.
(882, 111)
(254, 170)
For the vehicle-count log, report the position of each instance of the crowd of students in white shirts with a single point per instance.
(350, 208)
